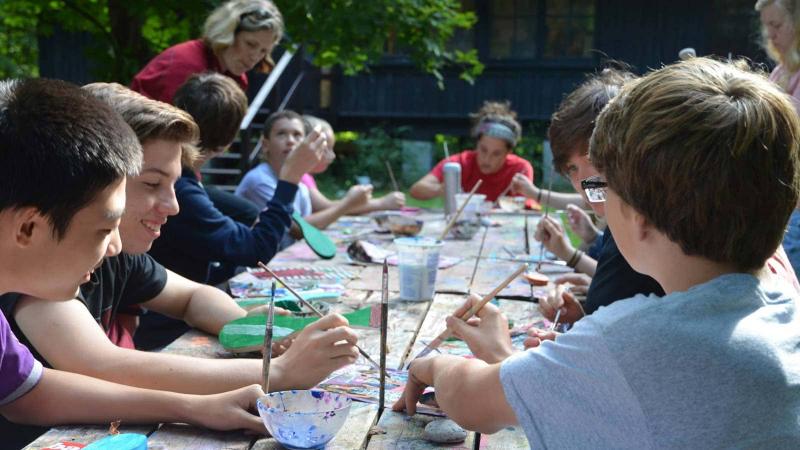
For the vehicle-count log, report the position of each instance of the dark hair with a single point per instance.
(572, 124)
(707, 152)
(501, 113)
(59, 148)
(217, 105)
(284, 114)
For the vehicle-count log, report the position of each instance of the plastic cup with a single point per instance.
(418, 261)
(473, 208)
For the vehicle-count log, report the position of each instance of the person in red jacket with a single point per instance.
(238, 36)
(498, 132)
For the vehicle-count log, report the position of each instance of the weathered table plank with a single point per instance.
(82, 434)
(403, 432)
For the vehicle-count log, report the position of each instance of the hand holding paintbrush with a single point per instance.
(311, 307)
(471, 312)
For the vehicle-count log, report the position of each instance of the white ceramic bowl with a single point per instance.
(303, 419)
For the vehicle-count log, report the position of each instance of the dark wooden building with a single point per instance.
(535, 51)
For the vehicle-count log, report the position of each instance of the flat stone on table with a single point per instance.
(444, 431)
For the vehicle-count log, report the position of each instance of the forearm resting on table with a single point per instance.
(470, 392)
(327, 216)
(68, 398)
(210, 309)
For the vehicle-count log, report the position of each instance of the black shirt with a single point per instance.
(116, 286)
(615, 279)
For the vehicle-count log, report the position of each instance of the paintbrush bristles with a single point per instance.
(460, 210)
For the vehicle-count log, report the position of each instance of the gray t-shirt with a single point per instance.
(716, 366)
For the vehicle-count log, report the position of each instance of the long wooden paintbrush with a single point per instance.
(267, 353)
(384, 332)
(391, 176)
(471, 312)
(477, 260)
(460, 210)
(314, 310)
(546, 211)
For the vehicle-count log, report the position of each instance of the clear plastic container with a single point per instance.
(418, 261)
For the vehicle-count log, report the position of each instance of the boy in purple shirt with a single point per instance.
(64, 156)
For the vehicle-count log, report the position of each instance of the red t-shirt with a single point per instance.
(165, 73)
(494, 184)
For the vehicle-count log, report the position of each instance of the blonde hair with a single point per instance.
(790, 60)
(314, 122)
(150, 119)
(233, 16)
(707, 152)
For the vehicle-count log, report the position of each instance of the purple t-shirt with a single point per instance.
(19, 371)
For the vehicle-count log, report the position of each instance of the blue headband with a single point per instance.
(498, 130)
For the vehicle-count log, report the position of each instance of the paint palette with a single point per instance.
(303, 419)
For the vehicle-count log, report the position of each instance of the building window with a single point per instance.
(540, 29)
(570, 28)
(512, 28)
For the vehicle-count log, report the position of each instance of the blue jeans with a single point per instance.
(791, 240)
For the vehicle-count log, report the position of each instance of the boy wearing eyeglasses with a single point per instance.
(701, 164)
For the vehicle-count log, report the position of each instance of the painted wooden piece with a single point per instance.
(81, 434)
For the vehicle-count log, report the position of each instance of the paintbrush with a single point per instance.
(446, 152)
(459, 210)
(384, 331)
(546, 211)
(391, 176)
(477, 260)
(314, 310)
(471, 312)
(555, 320)
(267, 353)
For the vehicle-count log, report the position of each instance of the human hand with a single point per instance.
(550, 232)
(322, 347)
(357, 196)
(393, 200)
(520, 184)
(561, 299)
(420, 376)
(581, 223)
(579, 282)
(486, 334)
(304, 157)
(228, 410)
(536, 336)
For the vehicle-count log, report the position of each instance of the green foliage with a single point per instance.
(354, 33)
(364, 154)
(350, 33)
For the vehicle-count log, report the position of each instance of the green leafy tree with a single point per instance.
(350, 33)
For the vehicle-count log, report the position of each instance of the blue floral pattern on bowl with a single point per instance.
(303, 419)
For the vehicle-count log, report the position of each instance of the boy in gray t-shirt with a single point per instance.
(699, 165)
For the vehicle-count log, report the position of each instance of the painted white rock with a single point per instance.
(444, 431)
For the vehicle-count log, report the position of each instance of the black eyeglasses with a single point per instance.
(595, 189)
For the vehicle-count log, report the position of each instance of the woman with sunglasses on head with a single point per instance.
(237, 37)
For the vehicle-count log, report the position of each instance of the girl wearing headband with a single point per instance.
(497, 132)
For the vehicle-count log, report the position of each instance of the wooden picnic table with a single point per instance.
(410, 326)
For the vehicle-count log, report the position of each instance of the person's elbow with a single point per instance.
(420, 191)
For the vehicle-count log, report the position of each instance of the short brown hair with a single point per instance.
(707, 152)
(150, 119)
(217, 104)
(572, 124)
